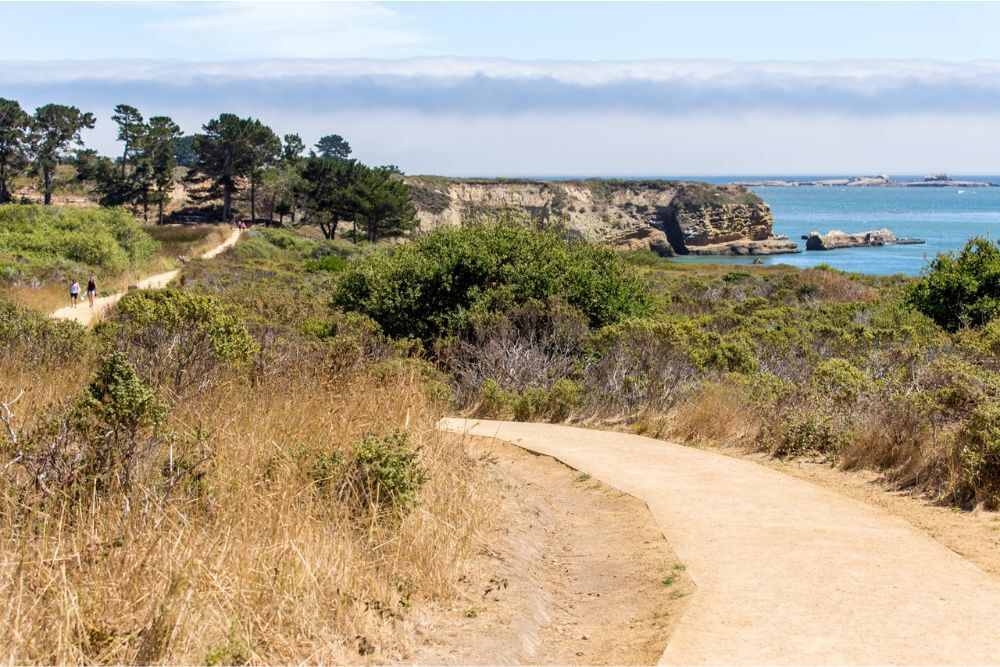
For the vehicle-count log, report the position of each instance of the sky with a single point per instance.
(543, 89)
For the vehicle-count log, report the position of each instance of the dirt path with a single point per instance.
(86, 315)
(786, 572)
(571, 572)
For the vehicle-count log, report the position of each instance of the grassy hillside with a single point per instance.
(220, 476)
(245, 468)
(52, 242)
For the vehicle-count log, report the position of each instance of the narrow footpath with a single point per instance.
(786, 572)
(86, 315)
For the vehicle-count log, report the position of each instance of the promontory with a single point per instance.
(667, 217)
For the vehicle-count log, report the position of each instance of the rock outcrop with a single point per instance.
(667, 217)
(835, 239)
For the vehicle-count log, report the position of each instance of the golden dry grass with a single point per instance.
(716, 412)
(246, 560)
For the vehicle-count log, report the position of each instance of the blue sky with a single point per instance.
(544, 88)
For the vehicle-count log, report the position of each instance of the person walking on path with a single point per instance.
(74, 292)
(91, 290)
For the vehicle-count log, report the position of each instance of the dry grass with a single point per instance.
(717, 412)
(246, 561)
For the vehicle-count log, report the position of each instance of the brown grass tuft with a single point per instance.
(246, 559)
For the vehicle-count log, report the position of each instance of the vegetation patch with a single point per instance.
(37, 241)
(432, 286)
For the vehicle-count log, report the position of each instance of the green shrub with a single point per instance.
(495, 401)
(429, 287)
(97, 442)
(36, 338)
(120, 397)
(839, 380)
(177, 338)
(385, 472)
(963, 289)
(43, 240)
(564, 397)
(802, 434)
(979, 453)
(328, 263)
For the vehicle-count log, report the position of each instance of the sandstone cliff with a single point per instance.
(668, 217)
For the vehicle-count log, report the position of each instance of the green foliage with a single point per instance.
(37, 240)
(178, 338)
(334, 190)
(328, 263)
(385, 472)
(557, 403)
(14, 126)
(184, 151)
(979, 453)
(839, 380)
(431, 286)
(963, 289)
(803, 434)
(96, 443)
(334, 147)
(54, 127)
(229, 149)
(120, 399)
(32, 336)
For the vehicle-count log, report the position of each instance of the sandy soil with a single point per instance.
(787, 571)
(573, 573)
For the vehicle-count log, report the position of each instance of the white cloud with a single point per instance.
(292, 29)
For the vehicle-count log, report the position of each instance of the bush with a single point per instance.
(38, 339)
(979, 452)
(804, 434)
(328, 263)
(41, 240)
(177, 339)
(839, 380)
(530, 345)
(384, 472)
(431, 286)
(97, 442)
(963, 289)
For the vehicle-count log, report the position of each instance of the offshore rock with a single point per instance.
(835, 239)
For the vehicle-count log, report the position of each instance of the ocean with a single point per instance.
(944, 217)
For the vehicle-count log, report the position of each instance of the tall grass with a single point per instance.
(247, 557)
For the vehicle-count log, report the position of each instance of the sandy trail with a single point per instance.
(86, 315)
(787, 572)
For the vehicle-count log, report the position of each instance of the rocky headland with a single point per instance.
(667, 217)
(835, 239)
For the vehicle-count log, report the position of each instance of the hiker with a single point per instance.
(74, 292)
(91, 290)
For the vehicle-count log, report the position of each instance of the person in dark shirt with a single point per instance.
(91, 290)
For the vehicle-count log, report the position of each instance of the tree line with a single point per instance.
(231, 156)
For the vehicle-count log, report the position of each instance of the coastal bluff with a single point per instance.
(667, 217)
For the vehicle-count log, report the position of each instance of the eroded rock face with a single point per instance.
(667, 217)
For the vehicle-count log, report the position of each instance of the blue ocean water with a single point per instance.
(945, 217)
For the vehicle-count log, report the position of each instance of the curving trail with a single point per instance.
(786, 572)
(86, 315)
